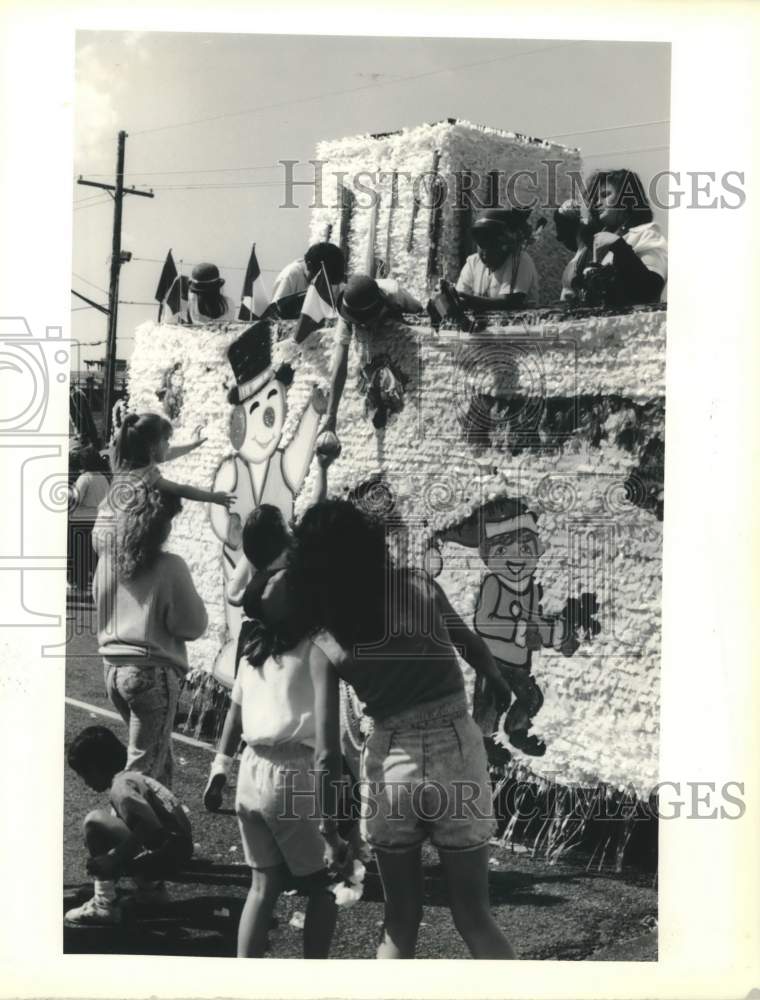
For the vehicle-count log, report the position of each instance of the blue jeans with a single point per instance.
(145, 695)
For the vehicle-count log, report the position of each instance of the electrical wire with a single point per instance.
(201, 170)
(624, 152)
(607, 128)
(223, 267)
(91, 283)
(92, 204)
(352, 90)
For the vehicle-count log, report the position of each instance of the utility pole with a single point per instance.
(117, 259)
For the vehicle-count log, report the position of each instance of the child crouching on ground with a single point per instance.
(146, 834)
(273, 708)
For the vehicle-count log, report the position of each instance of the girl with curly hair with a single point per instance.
(147, 609)
(391, 634)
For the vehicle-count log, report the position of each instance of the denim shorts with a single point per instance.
(425, 774)
(276, 809)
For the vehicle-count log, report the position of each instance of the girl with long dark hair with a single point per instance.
(391, 634)
(618, 233)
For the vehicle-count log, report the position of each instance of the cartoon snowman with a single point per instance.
(260, 471)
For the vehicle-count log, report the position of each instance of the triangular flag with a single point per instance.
(318, 305)
(165, 282)
(177, 299)
(255, 299)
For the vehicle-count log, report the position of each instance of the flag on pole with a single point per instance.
(178, 298)
(254, 300)
(318, 305)
(169, 275)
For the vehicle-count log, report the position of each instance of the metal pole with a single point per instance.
(113, 288)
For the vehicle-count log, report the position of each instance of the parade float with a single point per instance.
(550, 420)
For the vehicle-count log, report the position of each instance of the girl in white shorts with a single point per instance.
(273, 709)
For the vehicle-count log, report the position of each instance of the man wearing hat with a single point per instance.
(292, 282)
(206, 303)
(501, 275)
(364, 307)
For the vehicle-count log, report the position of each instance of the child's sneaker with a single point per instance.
(96, 912)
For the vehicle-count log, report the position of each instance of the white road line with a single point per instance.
(113, 715)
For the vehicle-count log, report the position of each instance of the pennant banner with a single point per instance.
(318, 305)
(166, 282)
(255, 299)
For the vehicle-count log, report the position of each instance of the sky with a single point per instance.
(208, 117)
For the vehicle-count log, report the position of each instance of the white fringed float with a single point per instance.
(579, 441)
(403, 202)
(597, 512)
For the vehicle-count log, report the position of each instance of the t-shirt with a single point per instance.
(477, 279)
(293, 279)
(150, 616)
(415, 663)
(90, 490)
(647, 242)
(277, 698)
(650, 246)
(140, 801)
(397, 297)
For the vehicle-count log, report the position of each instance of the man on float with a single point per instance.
(292, 282)
(364, 307)
(501, 275)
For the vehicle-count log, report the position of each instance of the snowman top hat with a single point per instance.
(250, 357)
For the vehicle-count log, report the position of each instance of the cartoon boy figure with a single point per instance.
(509, 614)
(260, 472)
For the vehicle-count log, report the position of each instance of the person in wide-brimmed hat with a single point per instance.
(206, 303)
(365, 304)
(501, 275)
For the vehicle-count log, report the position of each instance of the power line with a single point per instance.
(352, 90)
(608, 128)
(92, 204)
(626, 152)
(223, 267)
(88, 198)
(218, 185)
(202, 170)
(91, 283)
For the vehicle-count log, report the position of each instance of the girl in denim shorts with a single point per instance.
(391, 635)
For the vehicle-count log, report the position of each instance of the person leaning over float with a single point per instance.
(364, 307)
(206, 303)
(501, 275)
(292, 282)
(619, 233)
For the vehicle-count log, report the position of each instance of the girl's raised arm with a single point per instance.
(193, 493)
